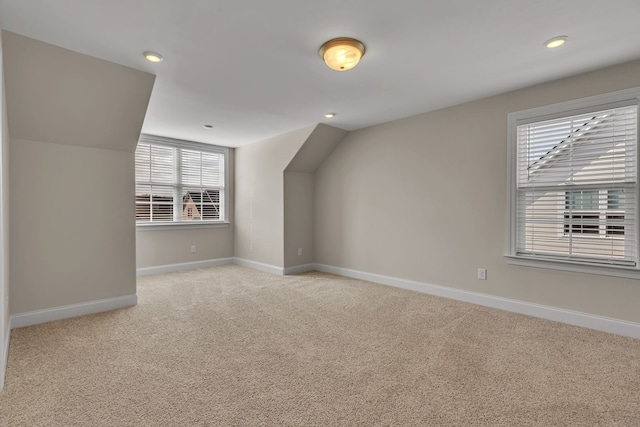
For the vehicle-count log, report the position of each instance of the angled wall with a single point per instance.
(299, 178)
(259, 217)
(74, 123)
(274, 196)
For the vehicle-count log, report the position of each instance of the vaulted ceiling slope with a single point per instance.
(74, 99)
(251, 69)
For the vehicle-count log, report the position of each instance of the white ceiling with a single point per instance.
(251, 68)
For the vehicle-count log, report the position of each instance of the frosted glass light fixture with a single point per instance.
(342, 54)
(556, 41)
(152, 56)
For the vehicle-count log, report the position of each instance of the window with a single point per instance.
(594, 212)
(573, 183)
(179, 182)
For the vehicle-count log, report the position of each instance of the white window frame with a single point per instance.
(604, 101)
(190, 145)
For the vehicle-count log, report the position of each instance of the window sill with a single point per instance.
(576, 267)
(179, 226)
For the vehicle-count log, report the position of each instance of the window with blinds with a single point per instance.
(179, 182)
(576, 186)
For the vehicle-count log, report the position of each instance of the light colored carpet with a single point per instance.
(230, 346)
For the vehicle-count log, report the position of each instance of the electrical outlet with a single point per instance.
(193, 249)
(482, 274)
(299, 251)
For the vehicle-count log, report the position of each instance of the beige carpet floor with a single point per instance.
(230, 346)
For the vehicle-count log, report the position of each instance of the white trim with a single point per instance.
(591, 321)
(182, 143)
(603, 270)
(154, 226)
(168, 268)
(197, 146)
(297, 269)
(259, 266)
(73, 310)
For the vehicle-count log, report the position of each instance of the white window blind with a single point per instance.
(576, 187)
(179, 182)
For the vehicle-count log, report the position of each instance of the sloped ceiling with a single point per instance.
(315, 149)
(252, 70)
(57, 95)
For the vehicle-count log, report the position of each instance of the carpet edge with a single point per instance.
(575, 318)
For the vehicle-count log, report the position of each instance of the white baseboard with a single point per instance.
(591, 321)
(297, 269)
(259, 266)
(168, 268)
(73, 310)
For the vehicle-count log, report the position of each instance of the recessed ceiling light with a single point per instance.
(342, 54)
(207, 126)
(555, 41)
(152, 56)
(330, 115)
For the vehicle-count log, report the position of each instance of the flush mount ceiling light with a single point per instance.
(342, 54)
(152, 56)
(330, 115)
(555, 41)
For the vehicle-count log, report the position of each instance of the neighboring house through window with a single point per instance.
(573, 187)
(201, 205)
(179, 182)
(597, 212)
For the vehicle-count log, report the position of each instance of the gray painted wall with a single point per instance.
(298, 218)
(424, 199)
(72, 225)
(74, 122)
(57, 95)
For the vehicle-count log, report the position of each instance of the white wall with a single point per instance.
(424, 199)
(74, 122)
(4, 228)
